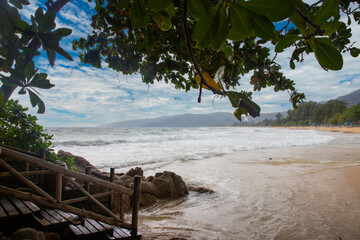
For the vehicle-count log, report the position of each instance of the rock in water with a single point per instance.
(169, 185)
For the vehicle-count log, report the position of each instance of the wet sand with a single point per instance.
(331, 129)
(309, 192)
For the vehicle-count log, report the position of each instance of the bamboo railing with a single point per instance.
(41, 197)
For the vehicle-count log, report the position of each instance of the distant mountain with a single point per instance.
(184, 120)
(211, 119)
(352, 98)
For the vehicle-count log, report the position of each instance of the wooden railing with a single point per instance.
(41, 197)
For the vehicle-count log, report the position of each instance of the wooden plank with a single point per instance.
(55, 215)
(48, 217)
(8, 207)
(121, 232)
(31, 206)
(90, 227)
(44, 222)
(84, 230)
(66, 208)
(8, 174)
(74, 219)
(96, 225)
(75, 230)
(80, 199)
(20, 205)
(2, 213)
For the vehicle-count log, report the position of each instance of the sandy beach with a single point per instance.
(304, 192)
(331, 129)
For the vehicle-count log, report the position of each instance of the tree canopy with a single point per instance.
(200, 44)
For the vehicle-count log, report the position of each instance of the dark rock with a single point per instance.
(195, 188)
(147, 199)
(149, 179)
(135, 172)
(169, 185)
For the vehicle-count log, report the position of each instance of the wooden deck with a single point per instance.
(16, 213)
(27, 201)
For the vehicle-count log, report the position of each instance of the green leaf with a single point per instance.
(2, 99)
(171, 9)
(196, 8)
(212, 28)
(327, 55)
(292, 64)
(264, 28)
(64, 54)
(51, 54)
(36, 101)
(139, 16)
(40, 81)
(328, 9)
(39, 16)
(242, 24)
(30, 70)
(354, 52)
(50, 40)
(299, 22)
(286, 42)
(275, 10)
(63, 32)
(158, 5)
(239, 112)
(330, 27)
(162, 19)
(227, 50)
(16, 3)
(241, 100)
(222, 29)
(48, 23)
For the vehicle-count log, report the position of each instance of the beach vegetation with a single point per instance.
(190, 44)
(21, 130)
(333, 112)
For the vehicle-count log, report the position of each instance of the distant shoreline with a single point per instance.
(355, 130)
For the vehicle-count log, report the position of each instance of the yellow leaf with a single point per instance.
(208, 80)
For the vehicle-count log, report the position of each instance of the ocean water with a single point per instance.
(269, 183)
(157, 147)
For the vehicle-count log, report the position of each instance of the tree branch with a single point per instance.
(189, 48)
(311, 23)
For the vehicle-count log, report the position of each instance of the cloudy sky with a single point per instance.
(86, 96)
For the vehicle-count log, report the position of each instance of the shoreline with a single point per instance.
(355, 130)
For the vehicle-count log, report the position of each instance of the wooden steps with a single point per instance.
(16, 213)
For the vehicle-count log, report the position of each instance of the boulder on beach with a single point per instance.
(169, 184)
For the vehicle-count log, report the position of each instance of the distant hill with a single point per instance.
(184, 120)
(352, 98)
(211, 119)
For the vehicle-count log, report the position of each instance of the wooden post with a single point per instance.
(87, 172)
(111, 197)
(58, 187)
(122, 207)
(41, 177)
(135, 207)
